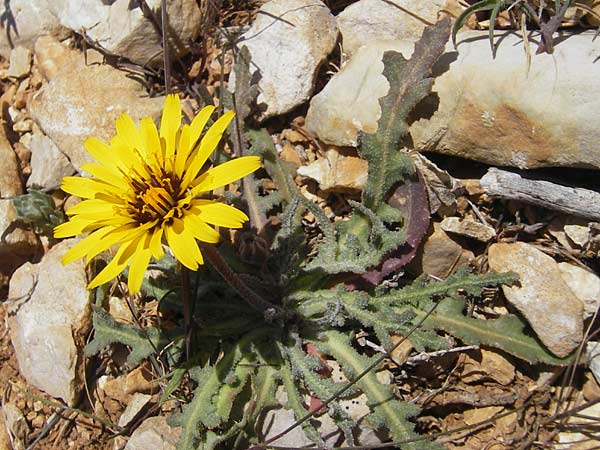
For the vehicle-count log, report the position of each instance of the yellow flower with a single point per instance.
(145, 188)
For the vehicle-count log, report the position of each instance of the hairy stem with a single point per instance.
(269, 310)
(187, 309)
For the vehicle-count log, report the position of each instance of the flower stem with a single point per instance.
(187, 308)
(269, 310)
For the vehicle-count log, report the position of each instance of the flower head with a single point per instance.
(145, 189)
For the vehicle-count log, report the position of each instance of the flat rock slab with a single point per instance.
(84, 100)
(26, 20)
(288, 41)
(124, 30)
(542, 296)
(48, 164)
(367, 21)
(495, 110)
(49, 315)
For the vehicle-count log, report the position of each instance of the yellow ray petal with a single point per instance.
(183, 150)
(199, 123)
(156, 243)
(170, 123)
(183, 244)
(86, 187)
(139, 264)
(92, 207)
(200, 229)
(106, 175)
(218, 214)
(207, 146)
(103, 153)
(81, 249)
(74, 226)
(113, 268)
(151, 142)
(118, 235)
(226, 173)
(128, 131)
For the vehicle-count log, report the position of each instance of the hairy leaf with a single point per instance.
(505, 333)
(410, 82)
(388, 412)
(108, 331)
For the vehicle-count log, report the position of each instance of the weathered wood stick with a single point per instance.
(575, 201)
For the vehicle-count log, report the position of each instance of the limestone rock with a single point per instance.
(20, 62)
(65, 118)
(584, 284)
(336, 117)
(50, 55)
(469, 228)
(123, 30)
(497, 111)
(134, 407)
(544, 299)
(154, 433)
(49, 317)
(367, 21)
(492, 110)
(48, 164)
(10, 175)
(337, 171)
(301, 33)
(26, 20)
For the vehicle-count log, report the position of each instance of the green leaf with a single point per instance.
(108, 331)
(37, 208)
(505, 333)
(410, 82)
(387, 410)
(282, 172)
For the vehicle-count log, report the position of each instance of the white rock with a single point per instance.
(20, 62)
(23, 21)
(48, 164)
(124, 31)
(15, 422)
(336, 117)
(337, 171)
(490, 109)
(154, 433)
(584, 284)
(63, 115)
(288, 41)
(579, 234)
(367, 21)
(592, 350)
(49, 317)
(497, 111)
(469, 228)
(544, 299)
(134, 407)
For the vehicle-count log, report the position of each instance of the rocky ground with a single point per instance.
(507, 145)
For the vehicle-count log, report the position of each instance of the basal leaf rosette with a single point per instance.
(147, 189)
